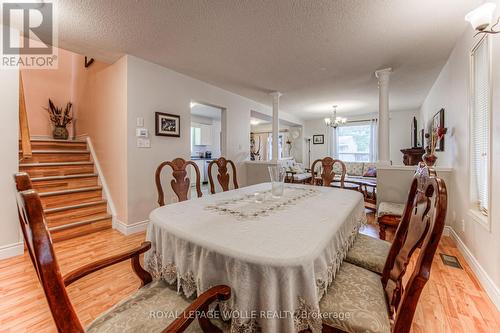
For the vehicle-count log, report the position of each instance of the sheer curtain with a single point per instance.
(374, 140)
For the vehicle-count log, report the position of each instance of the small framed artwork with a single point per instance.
(438, 121)
(167, 124)
(318, 139)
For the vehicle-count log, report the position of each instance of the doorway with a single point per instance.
(208, 138)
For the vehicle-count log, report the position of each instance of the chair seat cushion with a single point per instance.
(301, 176)
(151, 309)
(369, 253)
(355, 302)
(390, 208)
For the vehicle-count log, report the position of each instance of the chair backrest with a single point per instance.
(422, 225)
(181, 182)
(223, 175)
(39, 243)
(23, 183)
(328, 173)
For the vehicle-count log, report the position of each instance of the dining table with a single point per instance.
(279, 254)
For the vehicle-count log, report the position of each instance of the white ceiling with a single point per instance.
(206, 111)
(317, 53)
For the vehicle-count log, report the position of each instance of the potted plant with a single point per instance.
(60, 119)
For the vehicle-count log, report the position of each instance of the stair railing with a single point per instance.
(23, 122)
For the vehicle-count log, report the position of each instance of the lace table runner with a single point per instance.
(258, 204)
(278, 263)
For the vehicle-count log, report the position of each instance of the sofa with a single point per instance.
(358, 171)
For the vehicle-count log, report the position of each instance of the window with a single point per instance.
(355, 143)
(480, 105)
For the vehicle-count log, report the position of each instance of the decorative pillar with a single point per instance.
(382, 75)
(276, 122)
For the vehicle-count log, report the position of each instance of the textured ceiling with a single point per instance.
(316, 52)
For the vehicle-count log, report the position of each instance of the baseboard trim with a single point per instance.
(102, 179)
(491, 289)
(446, 231)
(11, 250)
(129, 229)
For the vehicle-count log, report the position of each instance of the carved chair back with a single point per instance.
(39, 244)
(181, 182)
(421, 225)
(223, 175)
(327, 171)
(23, 183)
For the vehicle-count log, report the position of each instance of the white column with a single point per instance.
(276, 123)
(383, 116)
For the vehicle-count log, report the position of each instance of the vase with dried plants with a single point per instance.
(60, 118)
(433, 139)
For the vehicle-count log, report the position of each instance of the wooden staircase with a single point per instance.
(63, 174)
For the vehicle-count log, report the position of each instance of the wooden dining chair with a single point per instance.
(223, 175)
(386, 304)
(327, 171)
(181, 182)
(23, 183)
(128, 316)
(372, 253)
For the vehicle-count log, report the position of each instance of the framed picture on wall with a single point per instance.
(438, 121)
(167, 124)
(318, 139)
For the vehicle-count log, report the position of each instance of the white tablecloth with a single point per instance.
(278, 256)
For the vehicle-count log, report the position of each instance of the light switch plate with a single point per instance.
(139, 122)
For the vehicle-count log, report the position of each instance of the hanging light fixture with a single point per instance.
(482, 17)
(335, 121)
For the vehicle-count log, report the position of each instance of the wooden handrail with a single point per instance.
(23, 122)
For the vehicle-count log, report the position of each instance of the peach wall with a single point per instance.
(65, 84)
(42, 84)
(101, 92)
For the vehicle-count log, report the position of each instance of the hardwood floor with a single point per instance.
(452, 301)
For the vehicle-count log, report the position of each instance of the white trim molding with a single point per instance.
(11, 250)
(102, 180)
(486, 282)
(129, 229)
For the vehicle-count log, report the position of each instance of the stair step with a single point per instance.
(59, 216)
(55, 183)
(55, 156)
(37, 170)
(40, 144)
(56, 199)
(81, 228)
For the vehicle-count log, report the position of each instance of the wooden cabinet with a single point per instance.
(201, 134)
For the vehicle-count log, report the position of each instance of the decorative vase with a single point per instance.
(60, 133)
(429, 159)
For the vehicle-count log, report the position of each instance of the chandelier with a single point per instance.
(482, 17)
(335, 121)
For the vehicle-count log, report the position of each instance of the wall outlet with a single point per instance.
(143, 143)
(463, 225)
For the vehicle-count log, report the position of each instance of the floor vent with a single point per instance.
(450, 260)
